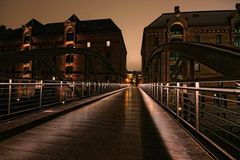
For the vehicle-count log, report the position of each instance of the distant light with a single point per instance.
(18, 99)
(180, 108)
(88, 44)
(108, 43)
(63, 102)
(53, 78)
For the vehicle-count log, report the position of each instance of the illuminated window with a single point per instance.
(176, 29)
(27, 38)
(237, 27)
(108, 43)
(237, 41)
(69, 36)
(88, 44)
(196, 67)
(25, 69)
(173, 56)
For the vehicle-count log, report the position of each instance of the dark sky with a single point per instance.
(131, 16)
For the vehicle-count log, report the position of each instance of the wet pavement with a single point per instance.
(118, 127)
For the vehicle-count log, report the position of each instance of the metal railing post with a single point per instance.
(61, 89)
(107, 87)
(89, 89)
(197, 106)
(152, 89)
(102, 87)
(156, 92)
(94, 89)
(82, 89)
(73, 90)
(161, 93)
(41, 94)
(167, 85)
(9, 95)
(177, 101)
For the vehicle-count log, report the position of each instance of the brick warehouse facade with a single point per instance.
(215, 27)
(101, 36)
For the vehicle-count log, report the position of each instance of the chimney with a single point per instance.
(176, 10)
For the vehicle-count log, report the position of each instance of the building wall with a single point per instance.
(72, 66)
(154, 35)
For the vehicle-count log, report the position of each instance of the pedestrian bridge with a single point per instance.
(70, 120)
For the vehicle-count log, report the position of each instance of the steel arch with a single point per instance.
(225, 60)
(11, 58)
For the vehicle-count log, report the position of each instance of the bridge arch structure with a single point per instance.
(42, 55)
(222, 59)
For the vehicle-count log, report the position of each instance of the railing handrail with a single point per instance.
(18, 96)
(201, 102)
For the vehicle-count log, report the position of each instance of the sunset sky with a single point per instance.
(131, 16)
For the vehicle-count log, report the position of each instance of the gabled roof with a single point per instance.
(37, 27)
(34, 22)
(198, 18)
(88, 26)
(74, 18)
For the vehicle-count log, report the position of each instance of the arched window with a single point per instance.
(27, 38)
(69, 35)
(176, 29)
(237, 27)
(237, 41)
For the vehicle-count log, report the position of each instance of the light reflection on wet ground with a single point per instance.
(117, 127)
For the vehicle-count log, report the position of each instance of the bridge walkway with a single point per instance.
(127, 125)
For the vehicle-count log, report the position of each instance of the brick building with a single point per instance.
(214, 27)
(101, 36)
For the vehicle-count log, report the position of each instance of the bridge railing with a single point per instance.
(210, 109)
(23, 96)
